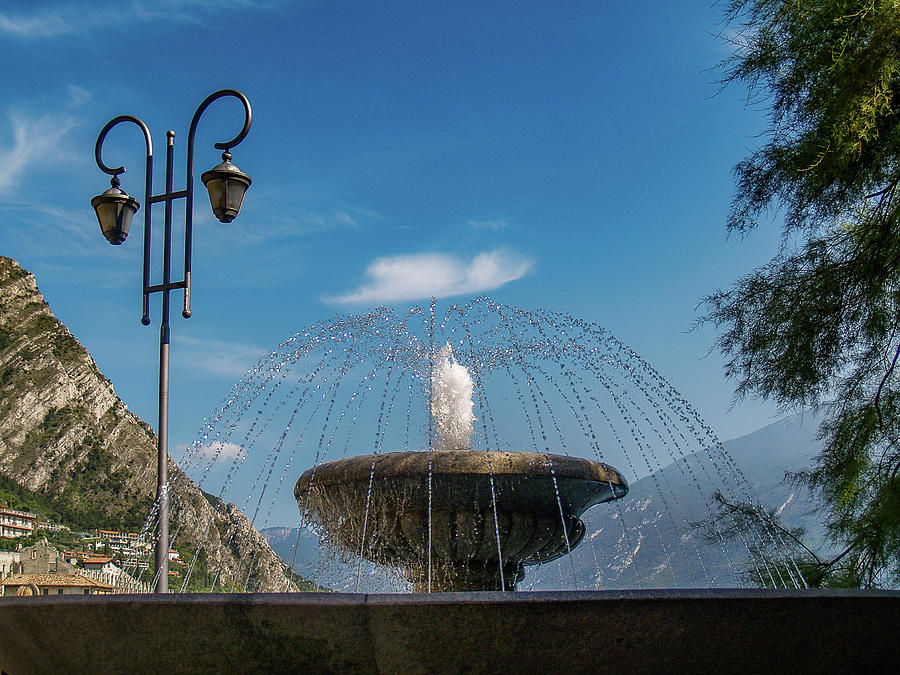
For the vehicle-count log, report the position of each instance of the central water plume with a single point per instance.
(451, 402)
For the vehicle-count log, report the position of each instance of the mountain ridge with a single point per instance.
(65, 434)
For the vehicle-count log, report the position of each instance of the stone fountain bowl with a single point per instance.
(484, 508)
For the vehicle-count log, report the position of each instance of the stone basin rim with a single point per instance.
(414, 464)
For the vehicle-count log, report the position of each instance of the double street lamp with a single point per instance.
(115, 209)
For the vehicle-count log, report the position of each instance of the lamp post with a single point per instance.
(115, 209)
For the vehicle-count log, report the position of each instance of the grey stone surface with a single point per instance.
(562, 632)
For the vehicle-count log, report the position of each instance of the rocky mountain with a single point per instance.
(66, 436)
(645, 540)
(294, 546)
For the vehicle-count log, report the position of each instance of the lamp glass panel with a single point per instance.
(115, 219)
(216, 188)
(125, 214)
(235, 192)
(107, 215)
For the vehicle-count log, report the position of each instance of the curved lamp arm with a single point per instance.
(98, 148)
(189, 201)
(248, 119)
(148, 192)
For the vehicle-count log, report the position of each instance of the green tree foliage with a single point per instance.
(819, 325)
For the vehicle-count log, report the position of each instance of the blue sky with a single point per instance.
(571, 155)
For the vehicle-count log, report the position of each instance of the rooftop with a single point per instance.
(55, 580)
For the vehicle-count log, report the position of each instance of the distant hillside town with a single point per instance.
(97, 562)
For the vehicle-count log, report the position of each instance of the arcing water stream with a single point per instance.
(486, 377)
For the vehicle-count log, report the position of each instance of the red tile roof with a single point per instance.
(55, 581)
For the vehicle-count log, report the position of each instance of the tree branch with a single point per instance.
(752, 511)
(881, 386)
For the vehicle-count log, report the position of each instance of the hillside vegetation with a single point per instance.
(71, 450)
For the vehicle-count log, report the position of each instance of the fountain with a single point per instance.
(450, 452)
(456, 519)
(470, 475)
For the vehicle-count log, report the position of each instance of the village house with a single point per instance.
(130, 545)
(53, 584)
(104, 569)
(15, 523)
(10, 563)
(43, 558)
(98, 562)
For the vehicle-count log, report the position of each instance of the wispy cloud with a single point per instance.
(306, 221)
(216, 357)
(39, 23)
(47, 231)
(78, 96)
(219, 452)
(32, 141)
(67, 17)
(283, 220)
(425, 275)
(488, 224)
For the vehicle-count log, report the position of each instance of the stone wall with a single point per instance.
(718, 631)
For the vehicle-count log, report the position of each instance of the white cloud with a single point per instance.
(39, 24)
(344, 218)
(219, 452)
(425, 275)
(67, 17)
(488, 224)
(34, 141)
(215, 357)
(29, 228)
(283, 221)
(78, 96)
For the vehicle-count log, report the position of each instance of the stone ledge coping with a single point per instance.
(572, 632)
(453, 462)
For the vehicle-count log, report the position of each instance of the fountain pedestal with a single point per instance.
(453, 519)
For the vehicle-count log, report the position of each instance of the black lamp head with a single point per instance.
(226, 185)
(115, 210)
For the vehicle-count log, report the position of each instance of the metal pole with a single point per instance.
(162, 495)
(162, 527)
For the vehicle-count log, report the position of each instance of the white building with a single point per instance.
(15, 523)
(131, 545)
(10, 563)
